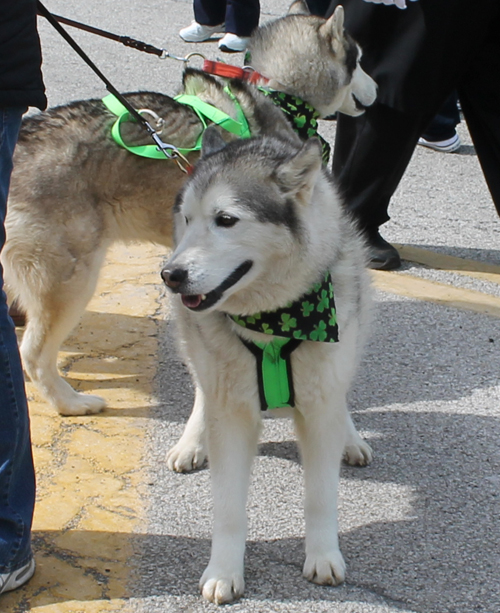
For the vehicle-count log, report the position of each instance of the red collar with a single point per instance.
(220, 69)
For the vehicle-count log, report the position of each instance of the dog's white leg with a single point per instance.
(50, 319)
(322, 438)
(232, 445)
(356, 452)
(190, 452)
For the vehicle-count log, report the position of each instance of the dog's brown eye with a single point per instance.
(225, 221)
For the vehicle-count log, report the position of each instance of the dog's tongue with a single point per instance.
(191, 301)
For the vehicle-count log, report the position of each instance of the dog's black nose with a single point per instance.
(174, 278)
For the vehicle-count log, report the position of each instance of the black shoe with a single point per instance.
(382, 255)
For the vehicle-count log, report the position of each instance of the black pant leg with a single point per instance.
(242, 16)
(479, 92)
(209, 12)
(370, 156)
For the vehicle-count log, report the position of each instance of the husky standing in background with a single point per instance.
(74, 191)
(267, 259)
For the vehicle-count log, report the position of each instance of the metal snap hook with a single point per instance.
(160, 122)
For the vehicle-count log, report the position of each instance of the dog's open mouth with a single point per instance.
(201, 302)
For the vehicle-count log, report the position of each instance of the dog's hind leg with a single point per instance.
(356, 451)
(321, 437)
(51, 317)
(190, 452)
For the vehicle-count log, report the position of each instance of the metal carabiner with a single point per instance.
(160, 122)
(165, 54)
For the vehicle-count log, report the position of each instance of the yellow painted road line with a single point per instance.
(461, 266)
(439, 293)
(90, 470)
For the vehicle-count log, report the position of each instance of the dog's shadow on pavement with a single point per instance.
(418, 526)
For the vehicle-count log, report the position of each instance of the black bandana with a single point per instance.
(302, 116)
(310, 318)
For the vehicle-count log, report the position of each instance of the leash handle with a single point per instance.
(109, 86)
(168, 150)
(124, 40)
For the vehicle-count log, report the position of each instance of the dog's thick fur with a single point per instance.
(74, 191)
(301, 232)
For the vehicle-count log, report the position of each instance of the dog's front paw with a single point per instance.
(325, 569)
(82, 404)
(358, 453)
(186, 456)
(221, 587)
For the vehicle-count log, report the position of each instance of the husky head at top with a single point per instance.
(315, 59)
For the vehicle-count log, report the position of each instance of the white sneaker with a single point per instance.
(196, 33)
(446, 146)
(16, 578)
(230, 43)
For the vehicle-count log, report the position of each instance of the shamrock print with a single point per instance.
(252, 319)
(333, 318)
(307, 308)
(324, 301)
(287, 322)
(300, 121)
(298, 334)
(319, 332)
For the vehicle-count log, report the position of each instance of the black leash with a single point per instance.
(124, 40)
(170, 151)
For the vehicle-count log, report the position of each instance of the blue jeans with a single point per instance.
(17, 475)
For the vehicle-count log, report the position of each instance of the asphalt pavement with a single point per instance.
(420, 526)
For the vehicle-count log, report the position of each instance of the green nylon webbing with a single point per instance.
(274, 371)
(202, 109)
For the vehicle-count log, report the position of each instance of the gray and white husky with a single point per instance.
(74, 191)
(257, 224)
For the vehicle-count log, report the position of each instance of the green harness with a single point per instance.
(310, 318)
(204, 111)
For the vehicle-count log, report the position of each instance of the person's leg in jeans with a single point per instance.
(17, 477)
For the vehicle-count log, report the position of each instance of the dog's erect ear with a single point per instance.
(299, 7)
(334, 26)
(297, 177)
(212, 141)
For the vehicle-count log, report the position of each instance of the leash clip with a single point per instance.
(160, 122)
(165, 54)
(172, 153)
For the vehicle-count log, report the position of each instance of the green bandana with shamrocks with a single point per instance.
(311, 318)
(302, 116)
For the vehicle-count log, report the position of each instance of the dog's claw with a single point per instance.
(83, 404)
(359, 454)
(185, 458)
(222, 590)
(325, 569)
